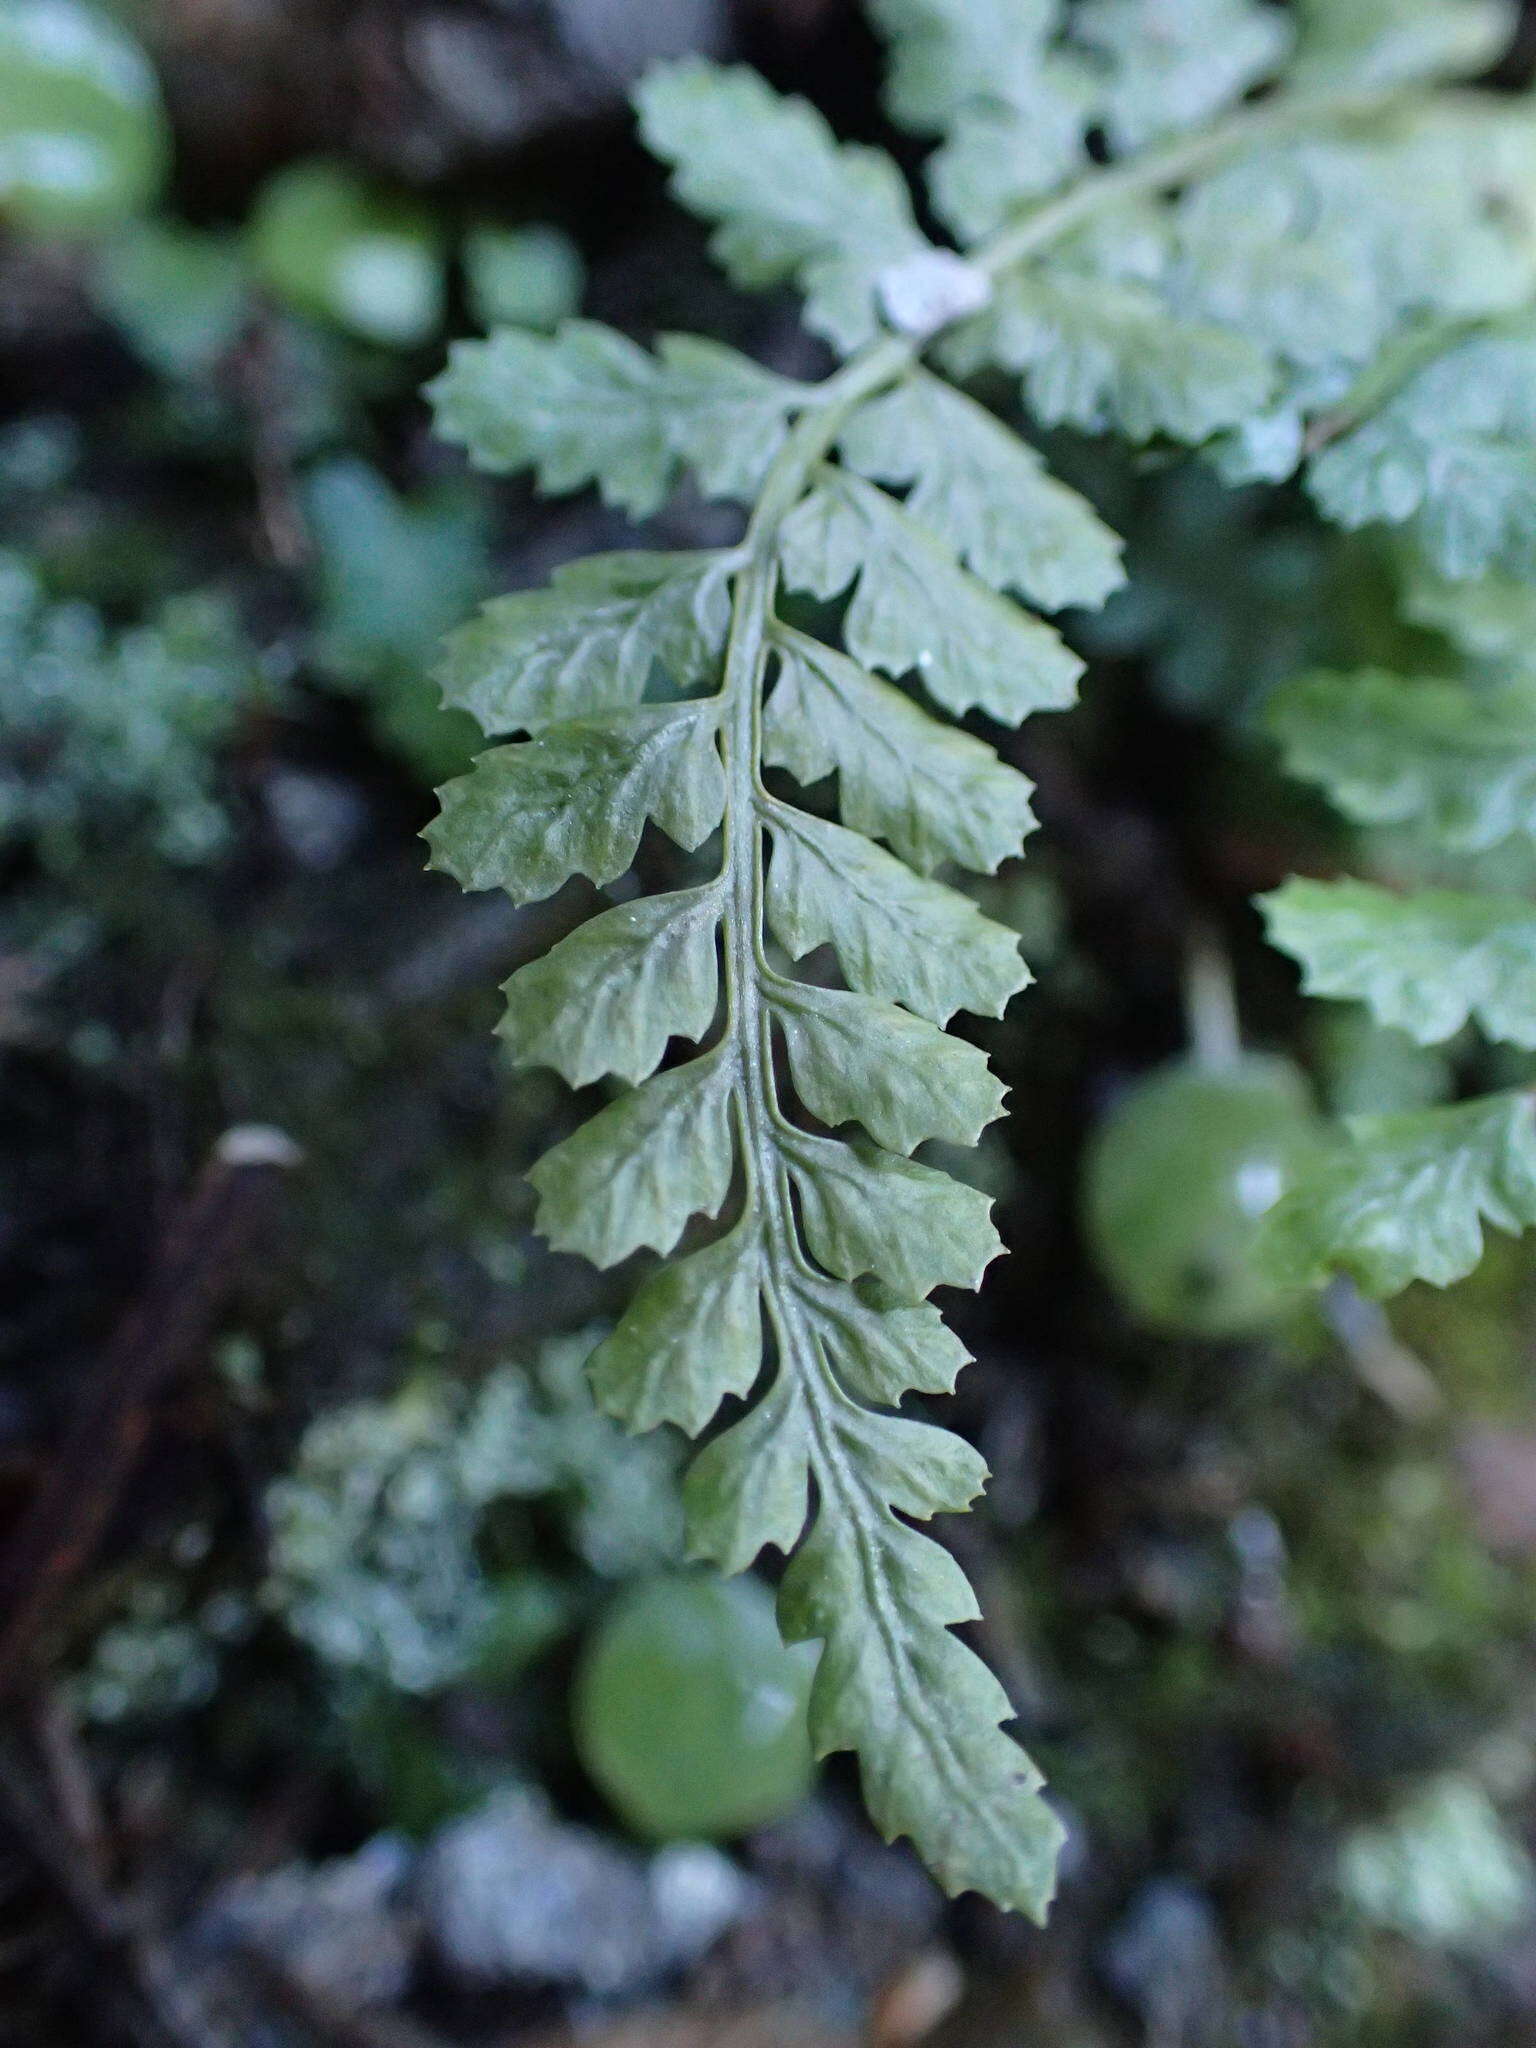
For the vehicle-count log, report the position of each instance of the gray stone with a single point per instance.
(1165, 1959)
(511, 1893)
(339, 1929)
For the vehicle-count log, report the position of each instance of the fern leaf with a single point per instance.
(1425, 964)
(1491, 619)
(1292, 248)
(896, 934)
(1388, 42)
(873, 1213)
(640, 1168)
(1013, 107)
(878, 1344)
(692, 1338)
(1451, 455)
(916, 611)
(931, 793)
(607, 999)
(922, 1709)
(996, 156)
(726, 414)
(1103, 353)
(751, 1485)
(1406, 1198)
(986, 493)
(948, 54)
(1325, 251)
(588, 643)
(1459, 762)
(855, 1059)
(575, 799)
(1171, 64)
(586, 405)
(792, 203)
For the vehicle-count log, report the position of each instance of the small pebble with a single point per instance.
(511, 1893)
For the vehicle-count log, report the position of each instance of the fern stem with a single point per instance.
(1210, 1003)
(747, 971)
(746, 668)
(1404, 355)
(1156, 170)
(840, 1493)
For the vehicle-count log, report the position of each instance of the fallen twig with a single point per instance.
(1394, 1374)
(142, 1982)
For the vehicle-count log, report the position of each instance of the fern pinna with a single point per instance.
(1255, 244)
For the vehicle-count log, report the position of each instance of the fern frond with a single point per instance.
(641, 688)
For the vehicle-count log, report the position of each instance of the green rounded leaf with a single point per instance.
(334, 246)
(689, 1711)
(83, 136)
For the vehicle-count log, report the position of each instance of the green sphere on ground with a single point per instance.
(1179, 1177)
(690, 1712)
